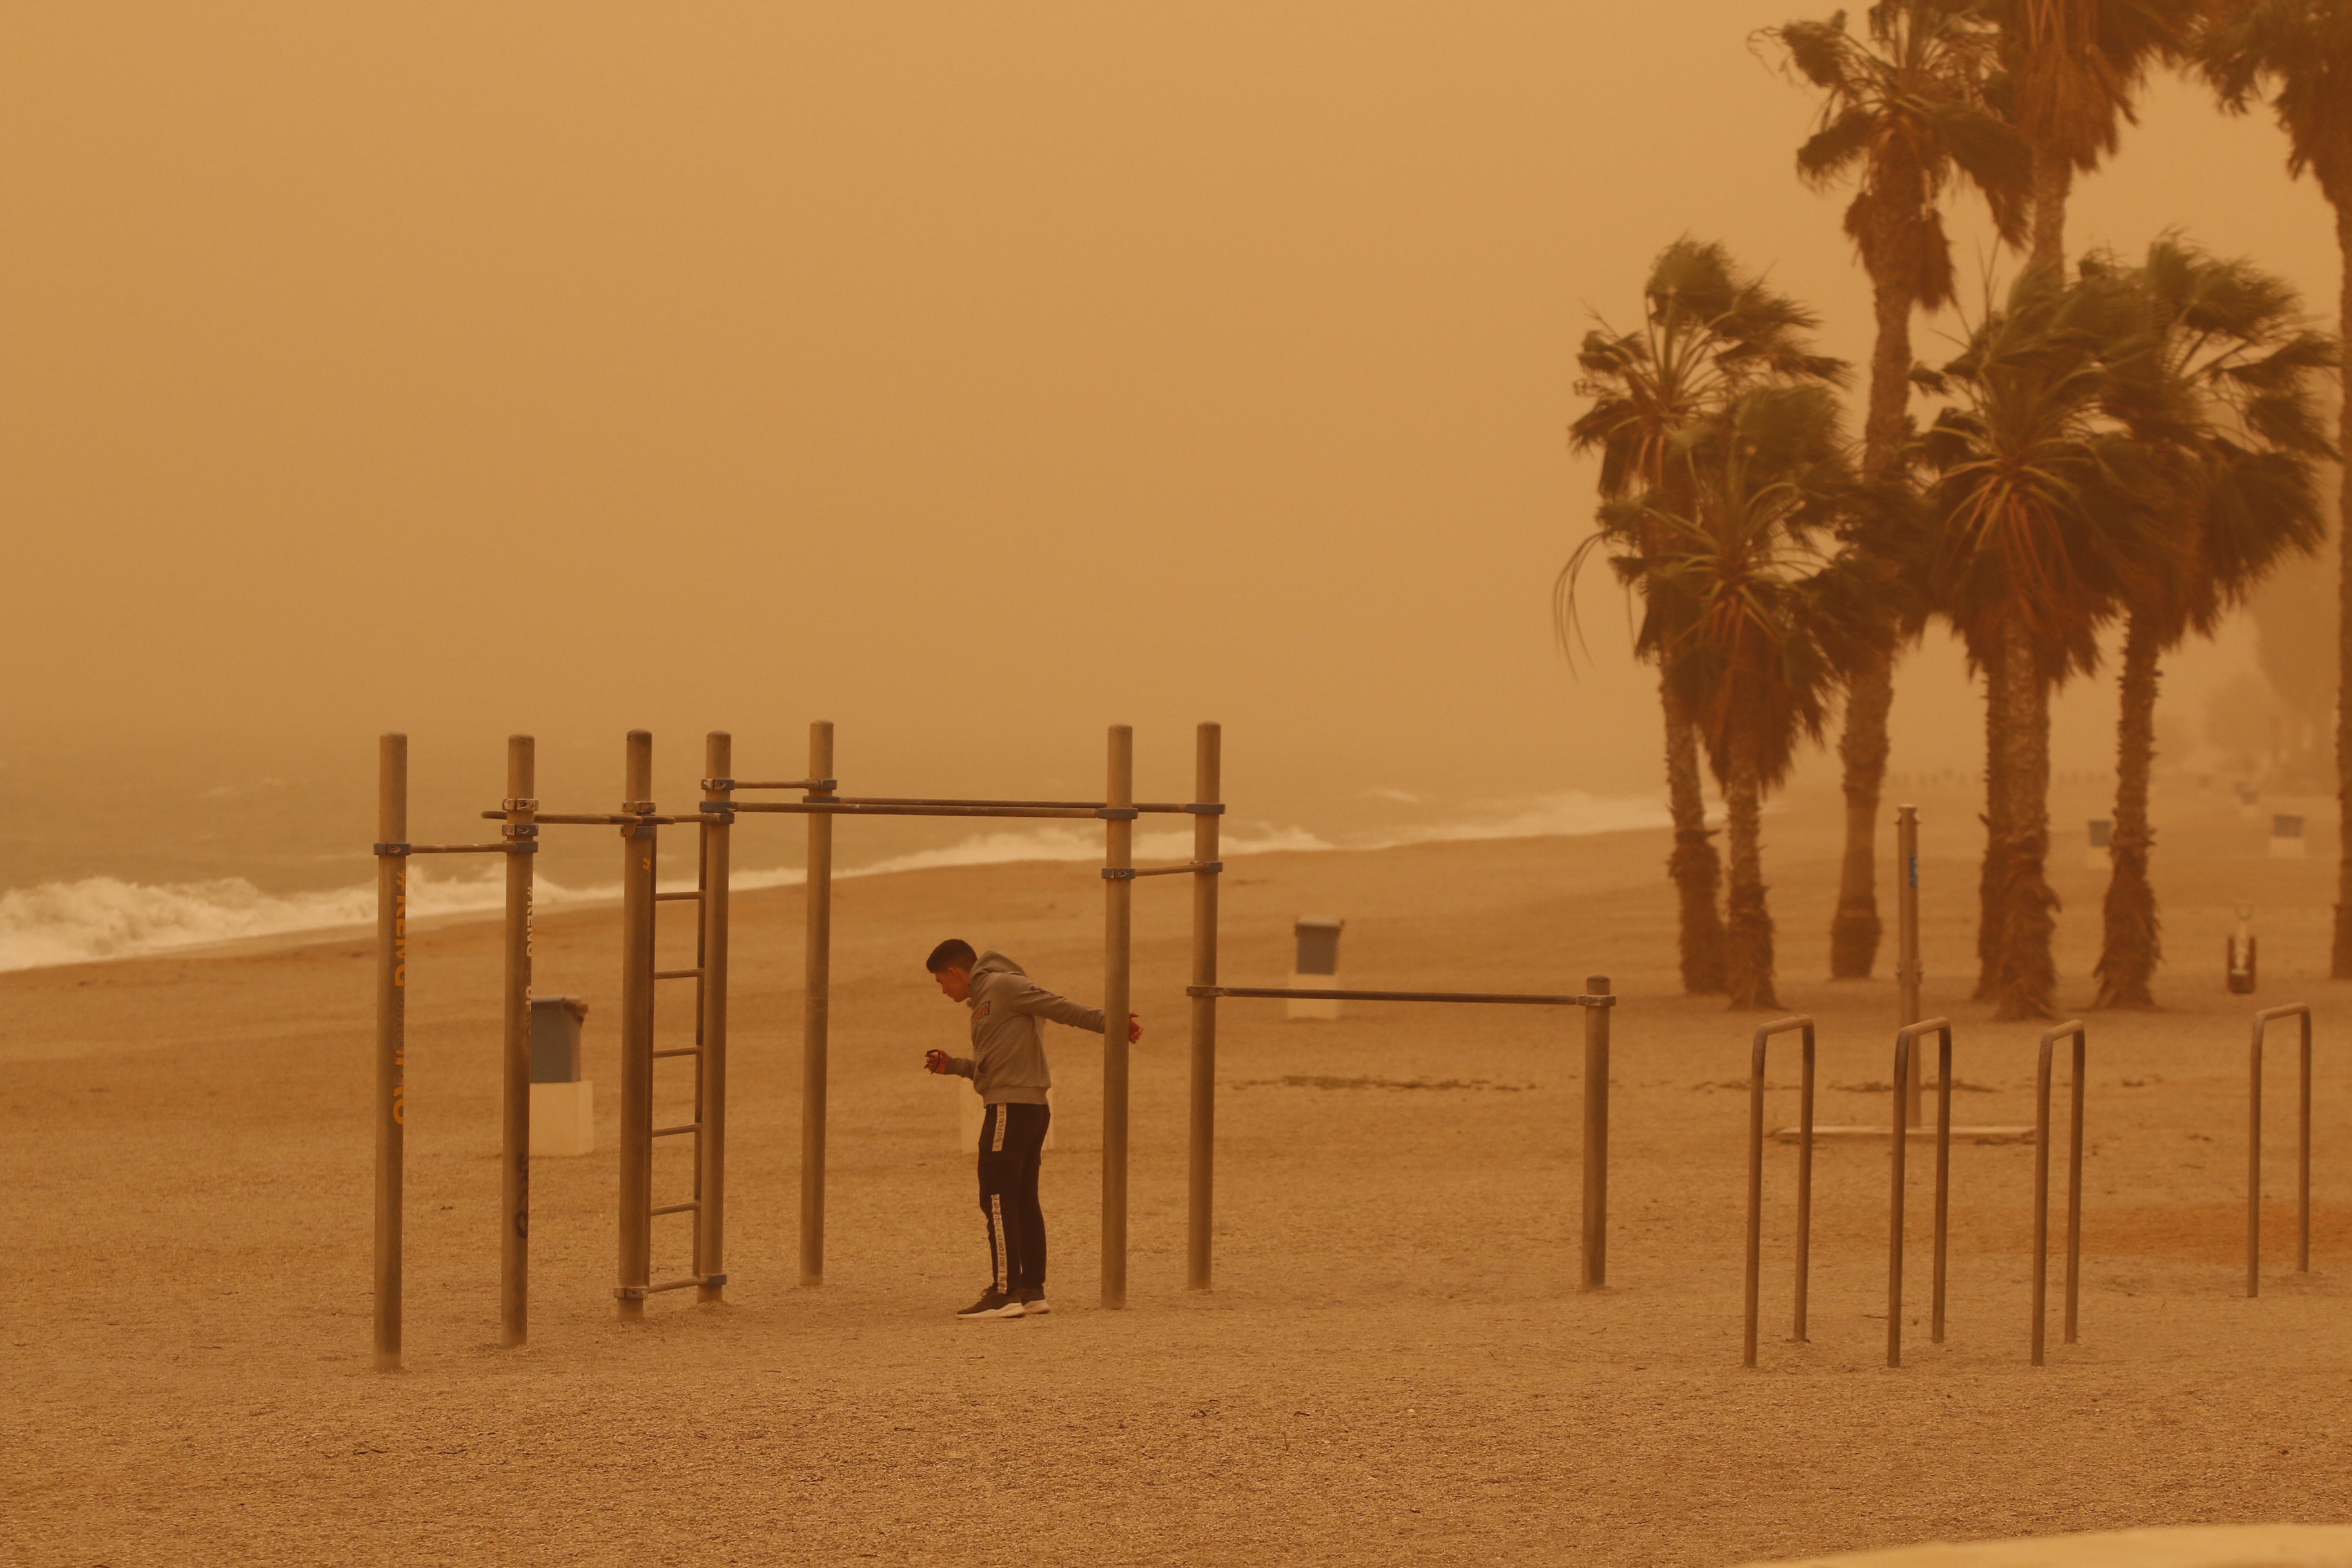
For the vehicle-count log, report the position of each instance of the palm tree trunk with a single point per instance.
(2054, 181)
(1995, 870)
(1749, 926)
(2340, 961)
(1696, 871)
(1855, 929)
(2131, 944)
(2026, 975)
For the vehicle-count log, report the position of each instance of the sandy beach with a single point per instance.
(1395, 1366)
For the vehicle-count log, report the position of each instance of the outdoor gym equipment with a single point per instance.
(2301, 1012)
(1804, 1026)
(1596, 1001)
(2071, 1030)
(1907, 1044)
(1118, 810)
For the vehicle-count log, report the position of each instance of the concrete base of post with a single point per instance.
(562, 1119)
(1313, 1009)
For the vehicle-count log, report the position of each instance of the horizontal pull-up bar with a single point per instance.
(858, 808)
(711, 787)
(1284, 994)
(1182, 868)
(1163, 807)
(620, 819)
(513, 846)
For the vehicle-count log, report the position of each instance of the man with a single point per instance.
(1007, 1069)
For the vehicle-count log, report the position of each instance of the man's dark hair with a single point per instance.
(953, 954)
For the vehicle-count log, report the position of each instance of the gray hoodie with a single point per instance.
(1007, 1065)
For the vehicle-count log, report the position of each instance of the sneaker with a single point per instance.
(1032, 1303)
(993, 1303)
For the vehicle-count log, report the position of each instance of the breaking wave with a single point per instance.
(100, 918)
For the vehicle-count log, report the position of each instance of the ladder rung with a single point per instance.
(672, 1131)
(690, 1280)
(681, 1051)
(666, 898)
(686, 1208)
(677, 974)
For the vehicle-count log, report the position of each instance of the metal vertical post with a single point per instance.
(1906, 962)
(391, 1035)
(1201, 1195)
(1594, 1273)
(1119, 856)
(710, 1077)
(639, 844)
(514, 1152)
(817, 1007)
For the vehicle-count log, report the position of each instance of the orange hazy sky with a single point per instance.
(971, 374)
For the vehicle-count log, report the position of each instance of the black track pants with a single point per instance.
(1011, 1140)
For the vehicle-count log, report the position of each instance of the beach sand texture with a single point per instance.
(1395, 1366)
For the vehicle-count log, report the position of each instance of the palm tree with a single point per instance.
(2297, 56)
(1752, 621)
(2218, 386)
(2072, 70)
(1708, 329)
(2037, 502)
(1905, 116)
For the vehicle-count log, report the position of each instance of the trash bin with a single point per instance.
(563, 1102)
(2286, 837)
(1316, 968)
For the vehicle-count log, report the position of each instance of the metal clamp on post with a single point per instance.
(638, 809)
(1206, 808)
(722, 809)
(1117, 813)
(391, 849)
(715, 786)
(1118, 873)
(1211, 866)
(518, 806)
(628, 1293)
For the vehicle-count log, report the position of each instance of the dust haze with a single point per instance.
(972, 375)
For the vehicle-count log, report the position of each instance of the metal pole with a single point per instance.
(816, 1010)
(1906, 963)
(1756, 1177)
(514, 1182)
(638, 847)
(1904, 1050)
(1201, 1212)
(2302, 1160)
(1594, 1271)
(1943, 1185)
(1119, 854)
(391, 1036)
(710, 1100)
(2255, 1164)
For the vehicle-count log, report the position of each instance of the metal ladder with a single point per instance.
(640, 900)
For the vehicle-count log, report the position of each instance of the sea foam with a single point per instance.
(100, 918)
